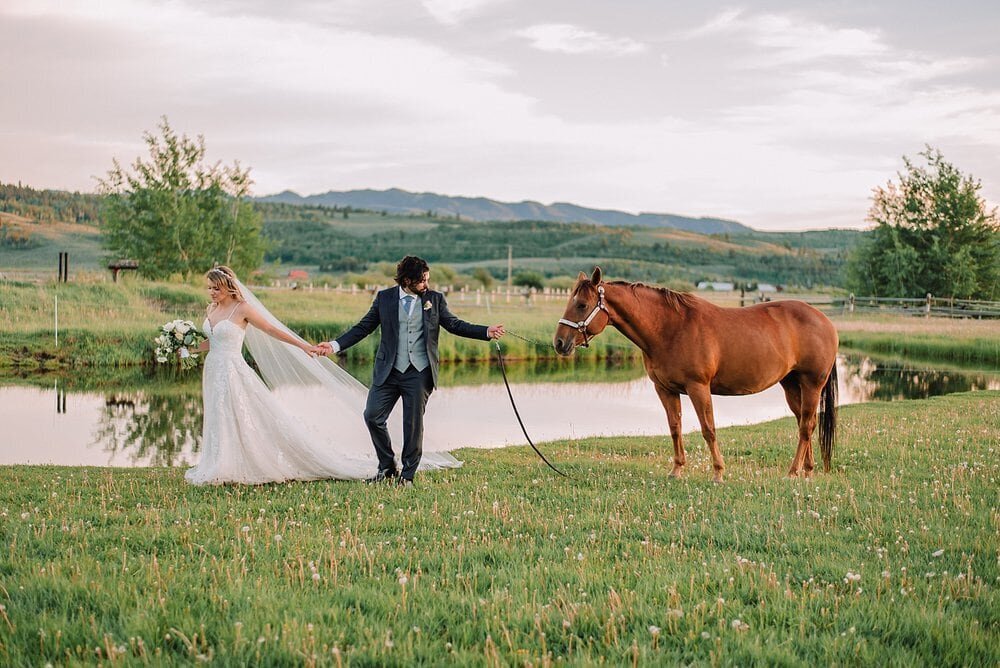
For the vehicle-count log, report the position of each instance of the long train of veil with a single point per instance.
(324, 398)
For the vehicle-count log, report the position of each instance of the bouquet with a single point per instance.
(175, 336)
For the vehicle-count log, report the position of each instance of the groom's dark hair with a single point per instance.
(410, 270)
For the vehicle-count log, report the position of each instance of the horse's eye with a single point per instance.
(581, 307)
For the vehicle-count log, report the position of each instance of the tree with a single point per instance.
(933, 234)
(529, 279)
(176, 214)
(483, 275)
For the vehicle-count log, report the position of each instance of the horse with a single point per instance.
(691, 346)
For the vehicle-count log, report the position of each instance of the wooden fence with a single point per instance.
(926, 306)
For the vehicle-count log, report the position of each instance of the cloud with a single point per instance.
(770, 120)
(566, 38)
(782, 39)
(452, 12)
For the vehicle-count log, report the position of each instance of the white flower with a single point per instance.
(937, 554)
(654, 630)
(169, 327)
(183, 328)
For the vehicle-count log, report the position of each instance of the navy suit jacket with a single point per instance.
(384, 313)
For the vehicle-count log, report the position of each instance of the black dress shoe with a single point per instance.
(404, 482)
(383, 475)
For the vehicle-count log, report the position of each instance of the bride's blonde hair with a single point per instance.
(225, 278)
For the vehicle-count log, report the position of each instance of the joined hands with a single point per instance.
(323, 348)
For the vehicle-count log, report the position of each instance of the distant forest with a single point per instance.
(815, 258)
(50, 206)
(342, 239)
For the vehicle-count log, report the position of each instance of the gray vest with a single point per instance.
(412, 344)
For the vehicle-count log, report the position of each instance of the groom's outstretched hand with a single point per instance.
(323, 348)
(495, 331)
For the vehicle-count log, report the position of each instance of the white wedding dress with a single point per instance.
(307, 425)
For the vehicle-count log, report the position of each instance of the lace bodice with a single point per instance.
(225, 338)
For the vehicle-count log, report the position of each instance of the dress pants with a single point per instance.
(414, 387)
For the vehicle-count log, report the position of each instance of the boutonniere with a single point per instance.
(428, 306)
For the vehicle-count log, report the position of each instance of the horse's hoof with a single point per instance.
(717, 480)
(676, 473)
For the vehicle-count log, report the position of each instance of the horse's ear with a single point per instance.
(581, 277)
(596, 278)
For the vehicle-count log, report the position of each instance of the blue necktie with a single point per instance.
(407, 301)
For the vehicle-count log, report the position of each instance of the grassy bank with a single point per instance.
(103, 324)
(889, 560)
(978, 352)
(964, 342)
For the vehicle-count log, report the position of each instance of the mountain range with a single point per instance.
(395, 200)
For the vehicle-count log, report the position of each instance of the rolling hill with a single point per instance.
(483, 209)
(340, 239)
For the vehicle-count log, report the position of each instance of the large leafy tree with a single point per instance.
(933, 234)
(176, 214)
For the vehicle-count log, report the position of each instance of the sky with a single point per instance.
(783, 115)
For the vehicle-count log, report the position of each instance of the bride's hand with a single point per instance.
(323, 348)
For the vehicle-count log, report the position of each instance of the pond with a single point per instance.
(143, 418)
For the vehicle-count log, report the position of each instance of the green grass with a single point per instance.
(980, 352)
(106, 324)
(502, 563)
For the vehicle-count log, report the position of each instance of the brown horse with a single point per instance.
(691, 346)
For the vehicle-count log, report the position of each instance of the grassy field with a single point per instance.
(928, 339)
(891, 559)
(107, 324)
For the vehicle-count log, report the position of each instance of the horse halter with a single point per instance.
(583, 324)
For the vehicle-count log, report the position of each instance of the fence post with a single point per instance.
(850, 305)
(927, 309)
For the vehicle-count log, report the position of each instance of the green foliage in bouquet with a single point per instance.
(174, 342)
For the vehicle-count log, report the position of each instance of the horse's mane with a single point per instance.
(675, 300)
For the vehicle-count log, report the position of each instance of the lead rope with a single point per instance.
(503, 372)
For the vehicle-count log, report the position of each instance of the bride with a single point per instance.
(305, 423)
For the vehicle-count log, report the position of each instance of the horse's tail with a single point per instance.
(828, 417)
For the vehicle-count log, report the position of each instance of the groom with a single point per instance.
(406, 364)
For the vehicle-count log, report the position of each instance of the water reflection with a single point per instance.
(886, 380)
(138, 418)
(155, 429)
